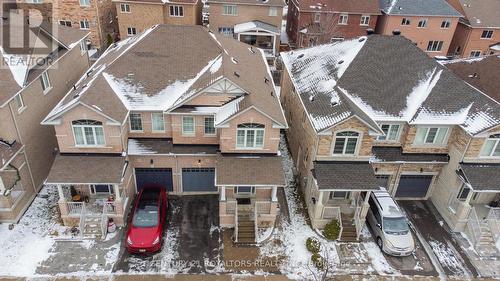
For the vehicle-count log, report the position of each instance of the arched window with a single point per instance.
(491, 146)
(88, 132)
(345, 143)
(250, 136)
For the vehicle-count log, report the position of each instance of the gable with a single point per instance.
(81, 111)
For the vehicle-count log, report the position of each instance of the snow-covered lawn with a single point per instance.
(293, 235)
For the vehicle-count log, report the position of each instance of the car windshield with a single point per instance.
(146, 215)
(396, 225)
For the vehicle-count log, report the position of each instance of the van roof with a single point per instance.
(387, 204)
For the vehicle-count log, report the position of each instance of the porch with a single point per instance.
(259, 34)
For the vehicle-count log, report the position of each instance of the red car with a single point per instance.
(148, 219)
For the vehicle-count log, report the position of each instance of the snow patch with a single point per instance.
(18, 66)
(136, 148)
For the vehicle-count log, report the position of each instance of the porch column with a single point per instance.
(61, 193)
(223, 193)
(469, 197)
(319, 206)
(117, 192)
(274, 45)
(274, 191)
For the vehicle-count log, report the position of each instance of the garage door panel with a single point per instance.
(413, 186)
(154, 177)
(198, 180)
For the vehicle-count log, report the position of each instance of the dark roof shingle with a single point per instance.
(249, 170)
(345, 175)
(482, 177)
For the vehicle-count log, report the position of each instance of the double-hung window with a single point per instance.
(491, 146)
(475, 54)
(405, 21)
(434, 46)
(391, 132)
(463, 193)
(209, 125)
(125, 8)
(88, 133)
(336, 195)
(176, 11)
(422, 23)
(273, 11)
(431, 135)
(84, 24)
(84, 2)
(97, 189)
(446, 23)
(83, 47)
(244, 190)
(230, 10)
(343, 18)
(44, 79)
(250, 135)
(19, 102)
(345, 143)
(65, 23)
(317, 17)
(135, 122)
(188, 127)
(487, 34)
(157, 122)
(131, 31)
(365, 20)
(228, 31)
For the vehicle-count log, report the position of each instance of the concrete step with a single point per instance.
(246, 235)
(248, 241)
(246, 223)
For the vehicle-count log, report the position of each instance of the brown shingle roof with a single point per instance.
(345, 175)
(7, 151)
(279, 3)
(483, 13)
(249, 170)
(86, 169)
(347, 6)
(480, 73)
(160, 1)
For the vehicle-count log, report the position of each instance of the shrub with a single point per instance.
(313, 245)
(318, 261)
(332, 230)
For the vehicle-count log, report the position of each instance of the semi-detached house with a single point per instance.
(201, 119)
(376, 112)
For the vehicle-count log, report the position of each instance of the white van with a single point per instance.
(389, 225)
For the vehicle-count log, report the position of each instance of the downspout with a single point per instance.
(99, 23)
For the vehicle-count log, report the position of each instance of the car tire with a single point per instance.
(380, 244)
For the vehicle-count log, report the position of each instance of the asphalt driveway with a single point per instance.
(192, 242)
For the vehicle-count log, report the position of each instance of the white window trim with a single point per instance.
(356, 150)
(88, 24)
(398, 135)
(497, 143)
(204, 123)
(445, 140)
(179, 7)
(83, 47)
(194, 126)
(244, 147)
(122, 5)
(23, 105)
(407, 20)
(426, 23)
(234, 9)
(93, 192)
(486, 38)
(152, 123)
(361, 20)
(346, 17)
(85, 138)
(84, 5)
(130, 29)
(317, 17)
(237, 192)
(130, 123)
(436, 51)
(449, 22)
(275, 13)
(49, 87)
(475, 51)
(346, 196)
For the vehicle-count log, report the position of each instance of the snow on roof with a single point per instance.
(18, 66)
(136, 148)
(426, 116)
(227, 110)
(419, 94)
(478, 122)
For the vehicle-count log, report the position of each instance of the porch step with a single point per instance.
(349, 233)
(246, 230)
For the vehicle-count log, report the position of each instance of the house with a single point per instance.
(135, 16)
(318, 22)
(257, 23)
(429, 24)
(202, 119)
(478, 31)
(32, 81)
(375, 112)
(95, 16)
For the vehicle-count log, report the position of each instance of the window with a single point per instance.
(209, 125)
(391, 132)
(339, 195)
(226, 30)
(431, 135)
(88, 133)
(244, 190)
(135, 122)
(250, 135)
(336, 39)
(125, 8)
(405, 21)
(65, 23)
(475, 54)
(188, 125)
(96, 189)
(487, 34)
(83, 46)
(463, 193)
(176, 11)
(35, 1)
(434, 46)
(365, 20)
(317, 17)
(273, 11)
(422, 23)
(345, 143)
(230, 10)
(44, 79)
(84, 24)
(343, 18)
(158, 123)
(19, 102)
(84, 2)
(383, 180)
(131, 31)
(491, 146)
(446, 23)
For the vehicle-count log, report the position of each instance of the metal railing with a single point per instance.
(236, 223)
(358, 223)
(75, 208)
(255, 223)
(474, 226)
(231, 206)
(263, 207)
(493, 219)
(81, 225)
(104, 219)
(454, 203)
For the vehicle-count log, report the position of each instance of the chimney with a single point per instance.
(370, 31)
(396, 32)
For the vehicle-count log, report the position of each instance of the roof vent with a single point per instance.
(272, 94)
(369, 31)
(311, 98)
(300, 56)
(396, 32)
(266, 80)
(74, 87)
(252, 50)
(474, 75)
(340, 62)
(236, 74)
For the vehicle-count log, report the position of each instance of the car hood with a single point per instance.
(401, 241)
(143, 236)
